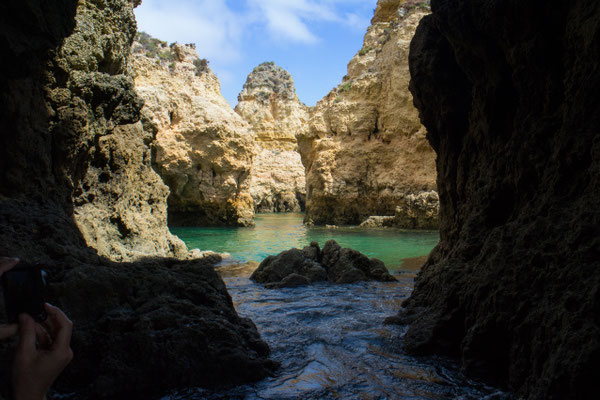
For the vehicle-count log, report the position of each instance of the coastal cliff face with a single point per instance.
(509, 93)
(203, 149)
(366, 152)
(74, 173)
(268, 102)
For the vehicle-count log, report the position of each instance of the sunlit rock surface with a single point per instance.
(203, 149)
(366, 150)
(268, 102)
(509, 92)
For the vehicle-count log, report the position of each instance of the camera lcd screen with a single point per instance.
(23, 292)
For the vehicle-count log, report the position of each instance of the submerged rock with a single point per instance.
(335, 264)
(268, 102)
(365, 151)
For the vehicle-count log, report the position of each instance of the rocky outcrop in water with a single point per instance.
(270, 105)
(366, 150)
(75, 171)
(334, 264)
(203, 149)
(509, 93)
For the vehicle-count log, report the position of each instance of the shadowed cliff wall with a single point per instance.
(509, 93)
(75, 171)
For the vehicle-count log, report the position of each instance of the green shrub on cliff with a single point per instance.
(201, 65)
(154, 48)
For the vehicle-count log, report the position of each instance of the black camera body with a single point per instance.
(23, 288)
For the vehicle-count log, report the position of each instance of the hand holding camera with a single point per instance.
(44, 346)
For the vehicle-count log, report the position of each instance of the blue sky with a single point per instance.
(312, 39)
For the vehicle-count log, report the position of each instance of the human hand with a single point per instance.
(7, 330)
(36, 367)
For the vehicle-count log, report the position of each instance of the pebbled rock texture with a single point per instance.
(509, 93)
(203, 149)
(75, 172)
(366, 150)
(335, 264)
(268, 102)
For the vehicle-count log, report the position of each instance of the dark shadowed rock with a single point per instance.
(509, 93)
(75, 171)
(335, 264)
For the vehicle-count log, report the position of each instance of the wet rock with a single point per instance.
(334, 264)
(377, 221)
(509, 93)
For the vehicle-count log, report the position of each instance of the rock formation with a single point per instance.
(509, 93)
(269, 104)
(75, 172)
(366, 150)
(335, 264)
(203, 149)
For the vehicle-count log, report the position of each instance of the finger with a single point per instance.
(8, 330)
(7, 263)
(43, 337)
(62, 327)
(26, 344)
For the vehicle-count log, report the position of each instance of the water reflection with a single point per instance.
(332, 344)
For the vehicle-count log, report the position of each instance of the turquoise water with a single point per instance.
(275, 233)
(329, 339)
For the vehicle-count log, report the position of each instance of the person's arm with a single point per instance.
(36, 367)
(43, 350)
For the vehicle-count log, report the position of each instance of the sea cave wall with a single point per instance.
(77, 194)
(509, 93)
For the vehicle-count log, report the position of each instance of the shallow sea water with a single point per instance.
(330, 339)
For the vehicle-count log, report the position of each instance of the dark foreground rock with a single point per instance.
(334, 264)
(75, 171)
(509, 92)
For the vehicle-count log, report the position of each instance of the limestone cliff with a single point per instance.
(203, 149)
(509, 92)
(268, 102)
(75, 172)
(366, 150)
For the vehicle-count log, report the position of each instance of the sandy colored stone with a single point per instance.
(203, 149)
(366, 150)
(268, 102)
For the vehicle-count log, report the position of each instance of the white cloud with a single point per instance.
(290, 19)
(210, 24)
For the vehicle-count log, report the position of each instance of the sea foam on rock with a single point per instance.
(335, 264)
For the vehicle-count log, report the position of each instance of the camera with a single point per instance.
(23, 288)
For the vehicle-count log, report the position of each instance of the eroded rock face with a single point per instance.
(509, 94)
(366, 149)
(335, 264)
(203, 149)
(75, 171)
(270, 105)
